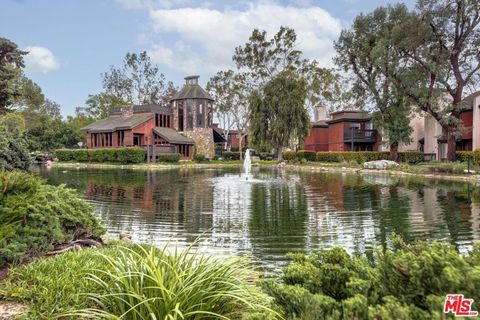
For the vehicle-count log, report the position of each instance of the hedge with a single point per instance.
(169, 157)
(231, 155)
(476, 156)
(198, 158)
(307, 155)
(289, 155)
(348, 156)
(121, 155)
(464, 156)
(130, 155)
(411, 157)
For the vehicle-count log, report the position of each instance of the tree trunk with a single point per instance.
(394, 152)
(451, 144)
(279, 153)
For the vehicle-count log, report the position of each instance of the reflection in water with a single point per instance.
(275, 212)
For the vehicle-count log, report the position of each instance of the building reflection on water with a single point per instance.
(276, 212)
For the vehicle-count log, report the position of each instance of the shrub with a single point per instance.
(464, 156)
(228, 155)
(476, 157)
(348, 156)
(34, 217)
(307, 155)
(169, 157)
(198, 158)
(103, 155)
(130, 155)
(405, 282)
(289, 155)
(411, 157)
(265, 156)
(14, 154)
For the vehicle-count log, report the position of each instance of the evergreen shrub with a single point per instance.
(229, 155)
(35, 216)
(404, 282)
(169, 157)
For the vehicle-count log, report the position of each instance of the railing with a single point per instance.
(360, 135)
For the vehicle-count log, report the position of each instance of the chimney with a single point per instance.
(320, 113)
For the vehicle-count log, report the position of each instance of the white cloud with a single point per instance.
(204, 39)
(40, 59)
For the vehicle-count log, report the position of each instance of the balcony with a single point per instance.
(360, 135)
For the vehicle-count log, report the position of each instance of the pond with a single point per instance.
(275, 211)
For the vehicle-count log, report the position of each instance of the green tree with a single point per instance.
(277, 112)
(439, 47)
(366, 50)
(138, 81)
(99, 105)
(14, 154)
(262, 59)
(11, 64)
(221, 88)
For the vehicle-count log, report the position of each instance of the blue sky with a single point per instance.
(72, 42)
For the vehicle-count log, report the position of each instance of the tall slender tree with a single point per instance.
(277, 111)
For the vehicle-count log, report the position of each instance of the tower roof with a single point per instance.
(192, 90)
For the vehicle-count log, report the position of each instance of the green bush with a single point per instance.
(14, 154)
(348, 156)
(411, 157)
(35, 216)
(289, 155)
(130, 155)
(198, 158)
(265, 156)
(464, 156)
(231, 155)
(405, 282)
(138, 282)
(476, 157)
(307, 155)
(122, 155)
(169, 157)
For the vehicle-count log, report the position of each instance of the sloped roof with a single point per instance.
(320, 124)
(349, 116)
(172, 136)
(192, 91)
(118, 123)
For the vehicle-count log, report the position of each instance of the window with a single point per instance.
(200, 114)
(180, 116)
(137, 139)
(189, 114)
(120, 138)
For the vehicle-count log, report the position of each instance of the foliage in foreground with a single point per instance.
(406, 282)
(35, 216)
(138, 282)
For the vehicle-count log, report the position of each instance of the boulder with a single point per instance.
(379, 164)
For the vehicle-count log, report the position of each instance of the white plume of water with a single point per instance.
(247, 163)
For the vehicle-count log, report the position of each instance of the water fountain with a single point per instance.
(247, 164)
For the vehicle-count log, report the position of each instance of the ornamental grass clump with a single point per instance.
(152, 283)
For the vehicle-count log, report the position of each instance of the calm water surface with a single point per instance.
(275, 211)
